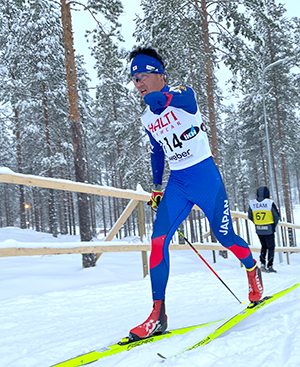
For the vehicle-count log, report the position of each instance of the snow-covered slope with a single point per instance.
(51, 309)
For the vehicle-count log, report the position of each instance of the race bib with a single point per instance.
(181, 134)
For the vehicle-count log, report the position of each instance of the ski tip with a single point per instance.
(161, 356)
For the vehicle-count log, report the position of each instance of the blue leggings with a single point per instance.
(202, 185)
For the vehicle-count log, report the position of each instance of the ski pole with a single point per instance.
(207, 264)
(202, 258)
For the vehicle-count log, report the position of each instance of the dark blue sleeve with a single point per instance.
(185, 98)
(157, 160)
(250, 214)
(181, 97)
(276, 214)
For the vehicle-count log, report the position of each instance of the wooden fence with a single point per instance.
(136, 198)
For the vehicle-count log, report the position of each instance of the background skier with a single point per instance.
(265, 215)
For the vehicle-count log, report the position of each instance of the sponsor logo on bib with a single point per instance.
(190, 133)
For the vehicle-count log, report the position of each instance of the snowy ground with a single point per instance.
(51, 309)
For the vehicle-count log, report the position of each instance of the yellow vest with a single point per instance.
(262, 212)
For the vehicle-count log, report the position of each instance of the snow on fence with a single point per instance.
(136, 198)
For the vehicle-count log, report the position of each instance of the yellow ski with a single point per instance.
(123, 345)
(253, 307)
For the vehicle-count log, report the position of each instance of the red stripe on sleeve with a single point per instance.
(169, 98)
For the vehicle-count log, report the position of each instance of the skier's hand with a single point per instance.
(157, 100)
(156, 197)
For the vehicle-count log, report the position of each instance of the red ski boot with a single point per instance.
(155, 324)
(256, 288)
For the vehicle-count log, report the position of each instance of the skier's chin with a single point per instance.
(143, 93)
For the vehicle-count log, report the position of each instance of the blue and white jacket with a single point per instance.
(174, 125)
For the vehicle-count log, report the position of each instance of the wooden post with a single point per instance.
(285, 240)
(237, 222)
(142, 234)
(285, 236)
(237, 226)
(247, 232)
(114, 230)
(287, 258)
(214, 256)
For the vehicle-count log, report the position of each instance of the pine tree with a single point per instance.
(275, 43)
(31, 46)
(119, 135)
(111, 11)
(193, 36)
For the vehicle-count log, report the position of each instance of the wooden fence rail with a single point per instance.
(40, 251)
(136, 198)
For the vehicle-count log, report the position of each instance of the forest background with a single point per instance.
(54, 124)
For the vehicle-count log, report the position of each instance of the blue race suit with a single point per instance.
(173, 123)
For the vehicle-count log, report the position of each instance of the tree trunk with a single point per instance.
(103, 209)
(199, 214)
(209, 83)
(70, 213)
(40, 206)
(64, 222)
(35, 202)
(110, 211)
(181, 239)
(298, 181)
(20, 170)
(93, 215)
(76, 129)
(285, 183)
(263, 164)
(1, 221)
(192, 228)
(52, 208)
(64, 209)
(275, 175)
(7, 204)
(191, 67)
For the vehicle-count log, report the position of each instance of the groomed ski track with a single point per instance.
(52, 310)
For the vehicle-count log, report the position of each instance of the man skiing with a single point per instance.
(173, 123)
(265, 215)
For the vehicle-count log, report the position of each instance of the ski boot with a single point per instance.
(271, 270)
(263, 268)
(155, 324)
(256, 288)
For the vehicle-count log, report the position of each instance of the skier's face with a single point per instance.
(148, 83)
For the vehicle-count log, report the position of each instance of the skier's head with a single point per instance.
(147, 70)
(262, 193)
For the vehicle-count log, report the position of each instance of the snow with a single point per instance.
(5, 171)
(140, 190)
(51, 309)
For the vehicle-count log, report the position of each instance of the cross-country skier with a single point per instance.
(173, 122)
